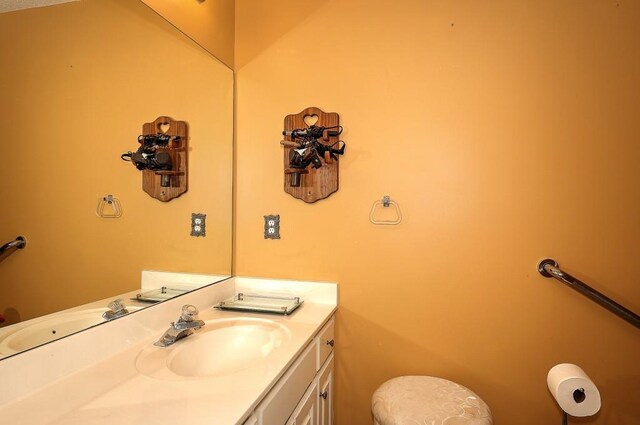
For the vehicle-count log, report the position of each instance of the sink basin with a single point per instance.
(48, 330)
(221, 347)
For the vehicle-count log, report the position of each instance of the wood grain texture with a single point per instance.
(321, 182)
(178, 152)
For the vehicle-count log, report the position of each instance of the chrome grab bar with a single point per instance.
(549, 268)
(11, 247)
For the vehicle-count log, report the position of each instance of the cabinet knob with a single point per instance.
(330, 342)
(323, 395)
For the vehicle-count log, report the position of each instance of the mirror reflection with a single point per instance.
(79, 81)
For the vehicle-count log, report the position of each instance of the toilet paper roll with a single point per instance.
(573, 390)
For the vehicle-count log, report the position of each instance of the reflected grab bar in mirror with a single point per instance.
(549, 268)
(11, 247)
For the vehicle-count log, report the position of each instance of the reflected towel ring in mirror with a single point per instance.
(109, 207)
(386, 202)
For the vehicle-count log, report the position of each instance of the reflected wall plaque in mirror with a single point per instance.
(78, 78)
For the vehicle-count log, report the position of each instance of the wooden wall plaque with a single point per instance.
(151, 180)
(315, 183)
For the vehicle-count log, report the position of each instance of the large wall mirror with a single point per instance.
(78, 81)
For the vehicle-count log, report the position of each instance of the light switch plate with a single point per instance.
(198, 222)
(272, 226)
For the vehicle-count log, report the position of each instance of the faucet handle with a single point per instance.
(189, 313)
(116, 305)
(116, 308)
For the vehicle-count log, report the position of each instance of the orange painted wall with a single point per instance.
(210, 23)
(78, 82)
(507, 131)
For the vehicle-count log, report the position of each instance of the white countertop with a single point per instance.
(111, 390)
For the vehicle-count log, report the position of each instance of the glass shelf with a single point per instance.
(261, 304)
(157, 295)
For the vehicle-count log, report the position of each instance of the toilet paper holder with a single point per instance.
(579, 395)
(574, 391)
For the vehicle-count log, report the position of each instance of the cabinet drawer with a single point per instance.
(278, 405)
(325, 342)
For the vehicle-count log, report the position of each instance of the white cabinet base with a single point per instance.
(304, 395)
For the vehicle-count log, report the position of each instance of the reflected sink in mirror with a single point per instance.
(48, 330)
(221, 347)
(65, 66)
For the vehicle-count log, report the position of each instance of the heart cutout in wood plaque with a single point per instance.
(163, 127)
(310, 120)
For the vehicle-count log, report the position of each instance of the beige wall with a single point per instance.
(507, 131)
(78, 82)
(210, 23)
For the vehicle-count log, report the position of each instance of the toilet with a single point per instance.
(413, 400)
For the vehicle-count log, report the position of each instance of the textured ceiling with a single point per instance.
(10, 5)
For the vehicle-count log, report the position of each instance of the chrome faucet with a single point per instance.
(184, 326)
(116, 309)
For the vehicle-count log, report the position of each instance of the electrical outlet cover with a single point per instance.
(272, 226)
(198, 222)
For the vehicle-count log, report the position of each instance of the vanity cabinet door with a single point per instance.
(304, 395)
(307, 411)
(325, 393)
(283, 398)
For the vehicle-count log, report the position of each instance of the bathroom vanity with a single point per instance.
(239, 368)
(312, 371)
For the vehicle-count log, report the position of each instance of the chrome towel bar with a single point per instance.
(549, 268)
